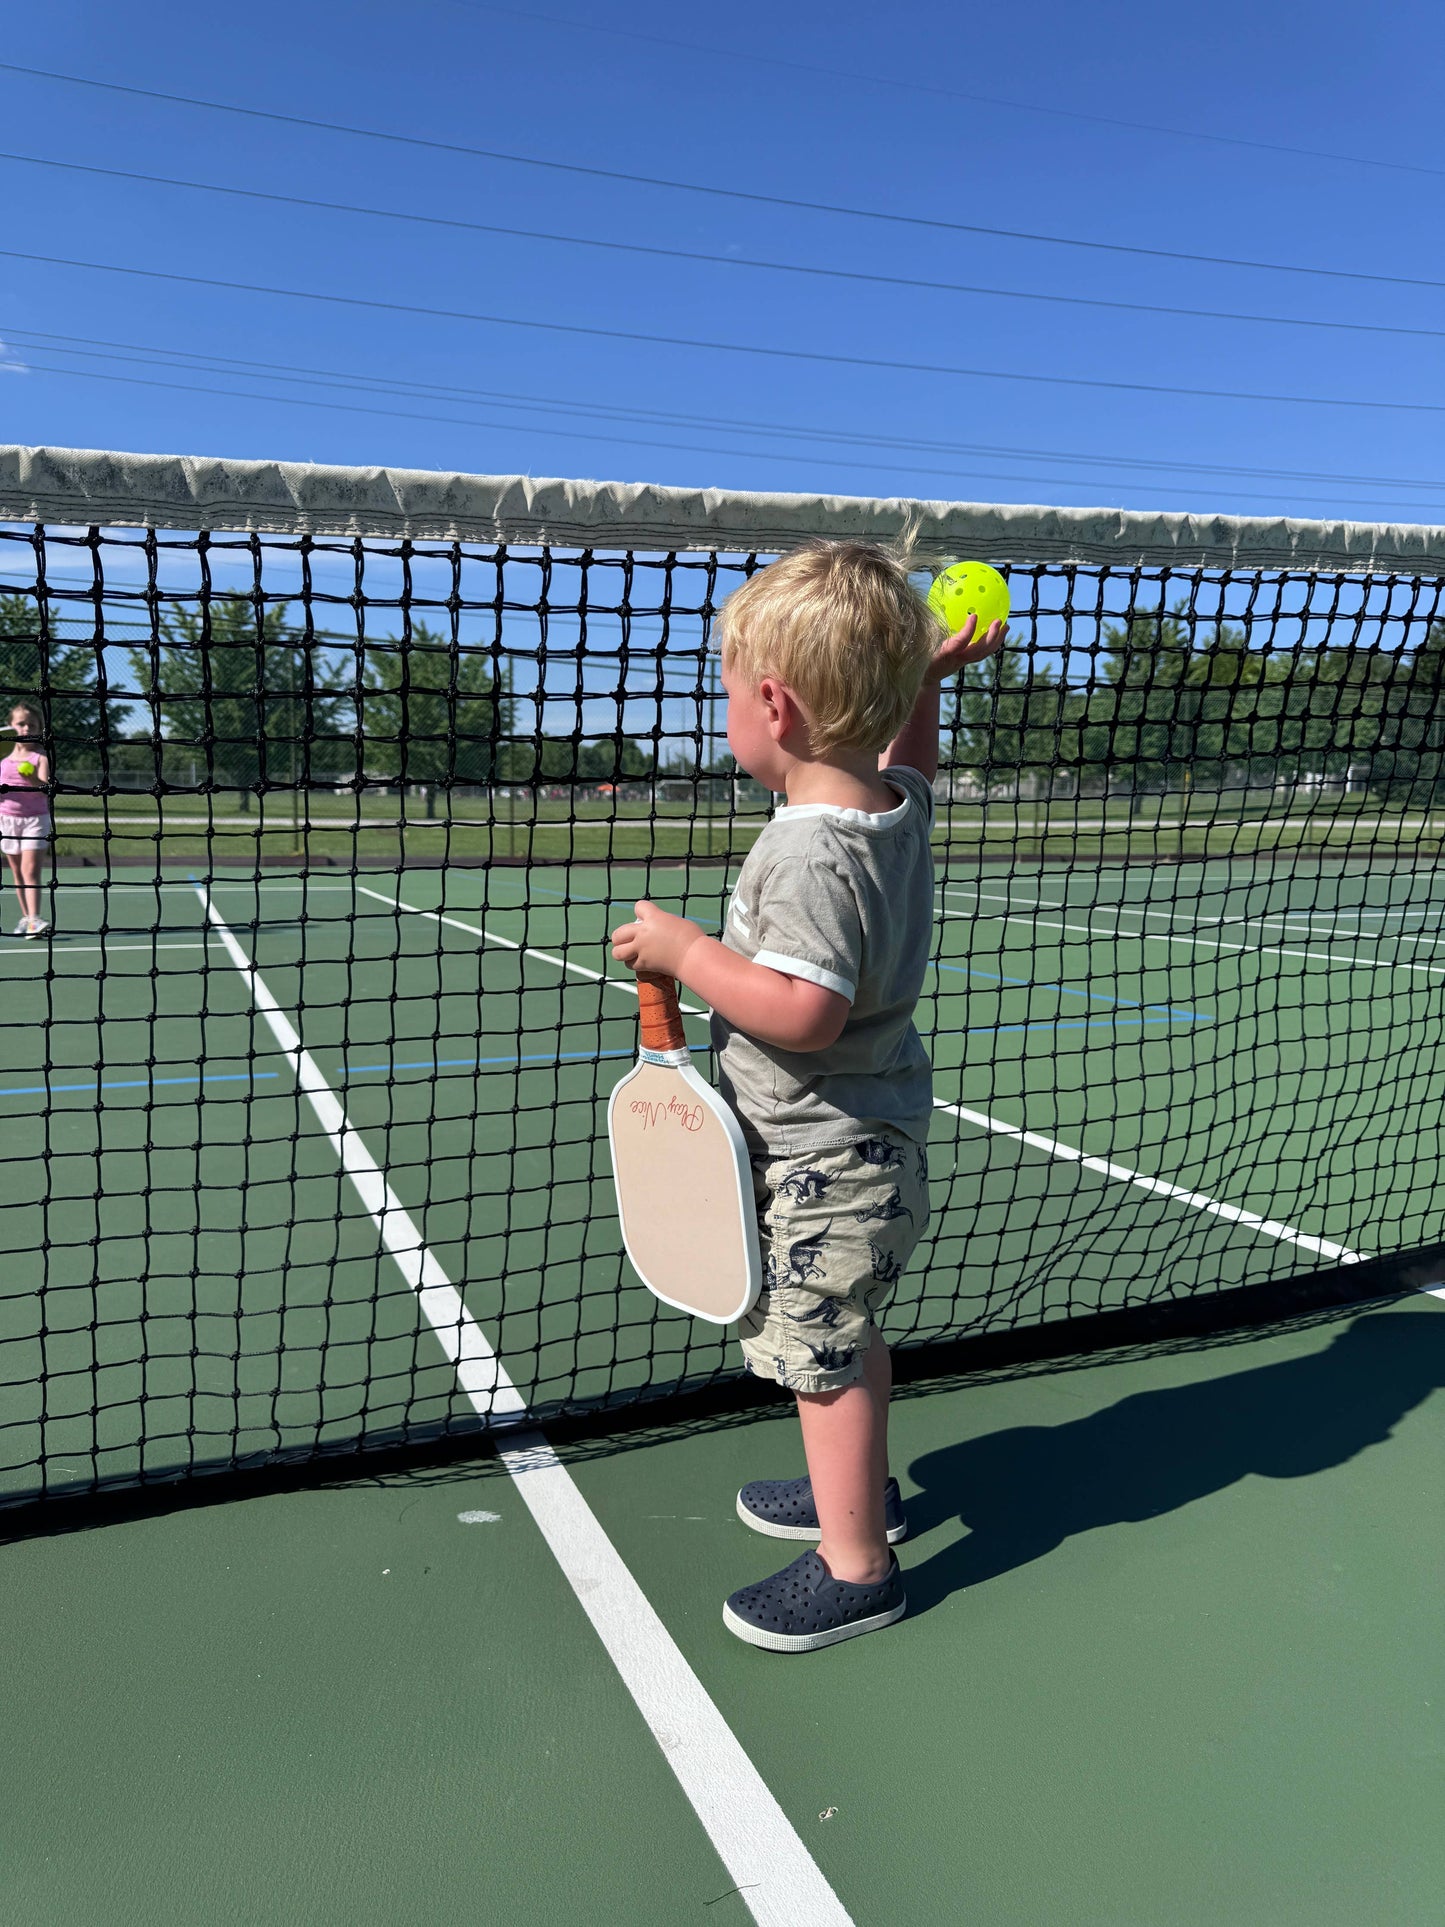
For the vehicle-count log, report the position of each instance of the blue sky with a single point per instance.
(1123, 125)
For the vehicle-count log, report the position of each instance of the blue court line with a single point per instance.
(609, 903)
(348, 1071)
(485, 1063)
(1064, 990)
(1060, 1023)
(562, 896)
(144, 1083)
(1067, 990)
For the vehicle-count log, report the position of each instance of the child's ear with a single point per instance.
(780, 706)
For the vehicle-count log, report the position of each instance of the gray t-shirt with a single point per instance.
(842, 898)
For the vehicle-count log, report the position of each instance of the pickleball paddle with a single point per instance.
(684, 1182)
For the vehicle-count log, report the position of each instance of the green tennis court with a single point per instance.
(213, 1276)
(1172, 1654)
(367, 1524)
(1148, 1590)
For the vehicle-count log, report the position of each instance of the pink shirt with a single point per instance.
(31, 799)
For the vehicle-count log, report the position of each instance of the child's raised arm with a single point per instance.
(916, 744)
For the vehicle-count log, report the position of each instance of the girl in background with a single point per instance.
(25, 826)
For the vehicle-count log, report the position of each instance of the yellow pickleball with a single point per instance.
(969, 589)
(26, 769)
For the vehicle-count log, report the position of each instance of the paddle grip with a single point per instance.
(661, 1018)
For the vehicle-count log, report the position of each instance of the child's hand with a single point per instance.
(657, 942)
(958, 651)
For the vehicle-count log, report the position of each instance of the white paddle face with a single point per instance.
(685, 1192)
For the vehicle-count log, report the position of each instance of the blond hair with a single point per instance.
(841, 624)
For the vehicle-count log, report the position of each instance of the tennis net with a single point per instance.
(353, 772)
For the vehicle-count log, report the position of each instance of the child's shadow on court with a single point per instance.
(1024, 1491)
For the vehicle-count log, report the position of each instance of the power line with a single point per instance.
(697, 187)
(149, 355)
(914, 86)
(730, 260)
(717, 347)
(630, 441)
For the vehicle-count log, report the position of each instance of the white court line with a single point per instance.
(1358, 911)
(1207, 943)
(627, 984)
(1267, 1227)
(1192, 917)
(1309, 929)
(777, 1877)
(95, 949)
(273, 883)
(1346, 827)
(64, 882)
(1284, 920)
(1121, 1174)
(117, 822)
(121, 883)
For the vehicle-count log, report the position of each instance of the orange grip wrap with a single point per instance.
(661, 1018)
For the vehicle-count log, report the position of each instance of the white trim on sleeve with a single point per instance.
(811, 973)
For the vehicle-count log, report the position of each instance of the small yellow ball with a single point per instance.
(969, 589)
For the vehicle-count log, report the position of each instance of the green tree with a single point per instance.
(1337, 707)
(229, 691)
(66, 680)
(1140, 720)
(613, 759)
(431, 711)
(1406, 751)
(1177, 695)
(605, 759)
(1004, 720)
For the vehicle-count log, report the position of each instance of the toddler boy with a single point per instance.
(832, 663)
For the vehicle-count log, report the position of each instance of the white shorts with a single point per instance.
(19, 833)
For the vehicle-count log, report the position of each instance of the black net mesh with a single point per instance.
(306, 1079)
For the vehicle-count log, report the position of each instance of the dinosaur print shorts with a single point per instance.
(837, 1228)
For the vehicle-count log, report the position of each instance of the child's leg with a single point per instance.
(838, 1227)
(845, 1438)
(28, 881)
(14, 862)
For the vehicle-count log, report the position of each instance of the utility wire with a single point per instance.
(915, 85)
(179, 360)
(697, 187)
(719, 347)
(731, 260)
(812, 461)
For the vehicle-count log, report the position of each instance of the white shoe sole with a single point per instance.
(808, 1642)
(810, 1534)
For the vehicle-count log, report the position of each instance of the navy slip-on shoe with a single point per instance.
(804, 1607)
(784, 1509)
